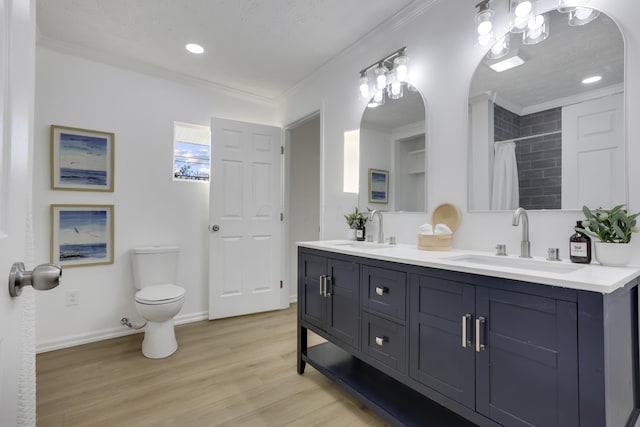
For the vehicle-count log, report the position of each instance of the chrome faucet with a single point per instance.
(525, 245)
(380, 230)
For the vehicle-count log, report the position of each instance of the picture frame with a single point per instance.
(81, 235)
(81, 159)
(378, 186)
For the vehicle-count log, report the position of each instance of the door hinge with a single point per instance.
(281, 284)
(281, 216)
(282, 149)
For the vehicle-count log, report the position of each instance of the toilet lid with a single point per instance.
(159, 293)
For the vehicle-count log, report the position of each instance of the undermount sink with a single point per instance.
(365, 245)
(525, 264)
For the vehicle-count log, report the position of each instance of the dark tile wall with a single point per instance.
(539, 158)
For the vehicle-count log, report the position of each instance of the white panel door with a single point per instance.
(245, 247)
(17, 33)
(593, 157)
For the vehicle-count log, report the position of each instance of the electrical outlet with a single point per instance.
(73, 297)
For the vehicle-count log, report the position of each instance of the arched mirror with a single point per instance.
(393, 155)
(548, 133)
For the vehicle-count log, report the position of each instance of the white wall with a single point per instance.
(150, 208)
(443, 59)
(304, 192)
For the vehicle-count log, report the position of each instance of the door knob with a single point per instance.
(215, 227)
(42, 278)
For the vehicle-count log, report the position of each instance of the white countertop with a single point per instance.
(587, 277)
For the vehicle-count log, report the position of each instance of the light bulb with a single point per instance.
(537, 30)
(583, 13)
(379, 96)
(401, 68)
(364, 87)
(523, 9)
(395, 91)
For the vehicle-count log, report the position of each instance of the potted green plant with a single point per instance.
(613, 229)
(356, 221)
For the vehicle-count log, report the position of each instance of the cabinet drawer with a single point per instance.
(384, 341)
(384, 291)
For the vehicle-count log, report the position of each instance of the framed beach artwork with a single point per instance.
(378, 186)
(81, 159)
(81, 235)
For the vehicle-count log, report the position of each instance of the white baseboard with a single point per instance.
(293, 299)
(105, 334)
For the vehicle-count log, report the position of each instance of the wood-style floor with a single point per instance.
(231, 372)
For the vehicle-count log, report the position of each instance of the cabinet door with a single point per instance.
(437, 357)
(344, 302)
(527, 374)
(313, 305)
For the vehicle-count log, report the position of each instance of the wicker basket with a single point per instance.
(431, 242)
(445, 213)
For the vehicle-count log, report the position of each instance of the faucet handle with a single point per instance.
(501, 249)
(392, 240)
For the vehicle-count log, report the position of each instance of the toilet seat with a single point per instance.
(160, 294)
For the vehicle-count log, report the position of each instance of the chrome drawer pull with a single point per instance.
(380, 341)
(381, 291)
(466, 342)
(479, 329)
(323, 285)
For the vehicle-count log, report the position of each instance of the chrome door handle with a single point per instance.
(381, 291)
(380, 341)
(327, 283)
(323, 285)
(479, 329)
(42, 278)
(466, 342)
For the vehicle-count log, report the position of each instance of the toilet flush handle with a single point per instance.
(215, 227)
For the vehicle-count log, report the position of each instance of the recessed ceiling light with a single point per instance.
(507, 64)
(591, 79)
(194, 48)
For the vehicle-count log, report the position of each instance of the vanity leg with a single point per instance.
(302, 348)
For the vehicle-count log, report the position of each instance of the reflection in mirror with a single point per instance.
(541, 136)
(392, 138)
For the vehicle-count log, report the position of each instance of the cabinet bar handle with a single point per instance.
(323, 285)
(380, 341)
(380, 291)
(466, 342)
(479, 327)
(327, 283)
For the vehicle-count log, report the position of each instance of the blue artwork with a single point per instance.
(379, 188)
(83, 235)
(83, 159)
(191, 161)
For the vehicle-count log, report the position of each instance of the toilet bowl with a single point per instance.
(158, 299)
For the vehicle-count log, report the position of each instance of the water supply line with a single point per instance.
(125, 322)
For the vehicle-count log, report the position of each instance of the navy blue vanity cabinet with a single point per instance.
(505, 354)
(384, 301)
(329, 295)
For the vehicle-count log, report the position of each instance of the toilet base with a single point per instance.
(159, 340)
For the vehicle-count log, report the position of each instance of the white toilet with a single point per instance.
(158, 299)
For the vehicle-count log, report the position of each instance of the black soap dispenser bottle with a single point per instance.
(580, 246)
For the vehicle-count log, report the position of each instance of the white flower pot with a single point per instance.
(351, 234)
(613, 254)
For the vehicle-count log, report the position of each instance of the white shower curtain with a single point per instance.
(506, 190)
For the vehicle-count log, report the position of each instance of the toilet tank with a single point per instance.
(154, 265)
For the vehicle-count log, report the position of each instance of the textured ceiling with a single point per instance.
(262, 47)
(554, 68)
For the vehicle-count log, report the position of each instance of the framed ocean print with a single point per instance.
(378, 186)
(81, 159)
(81, 235)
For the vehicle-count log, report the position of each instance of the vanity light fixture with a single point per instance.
(592, 79)
(385, 78)
(537, 30)
(520, 12)
(484, 23)
(194, 48)
(582, 15)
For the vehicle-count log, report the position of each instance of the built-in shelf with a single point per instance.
(415, 172)
(416, 152)
(390, 398)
